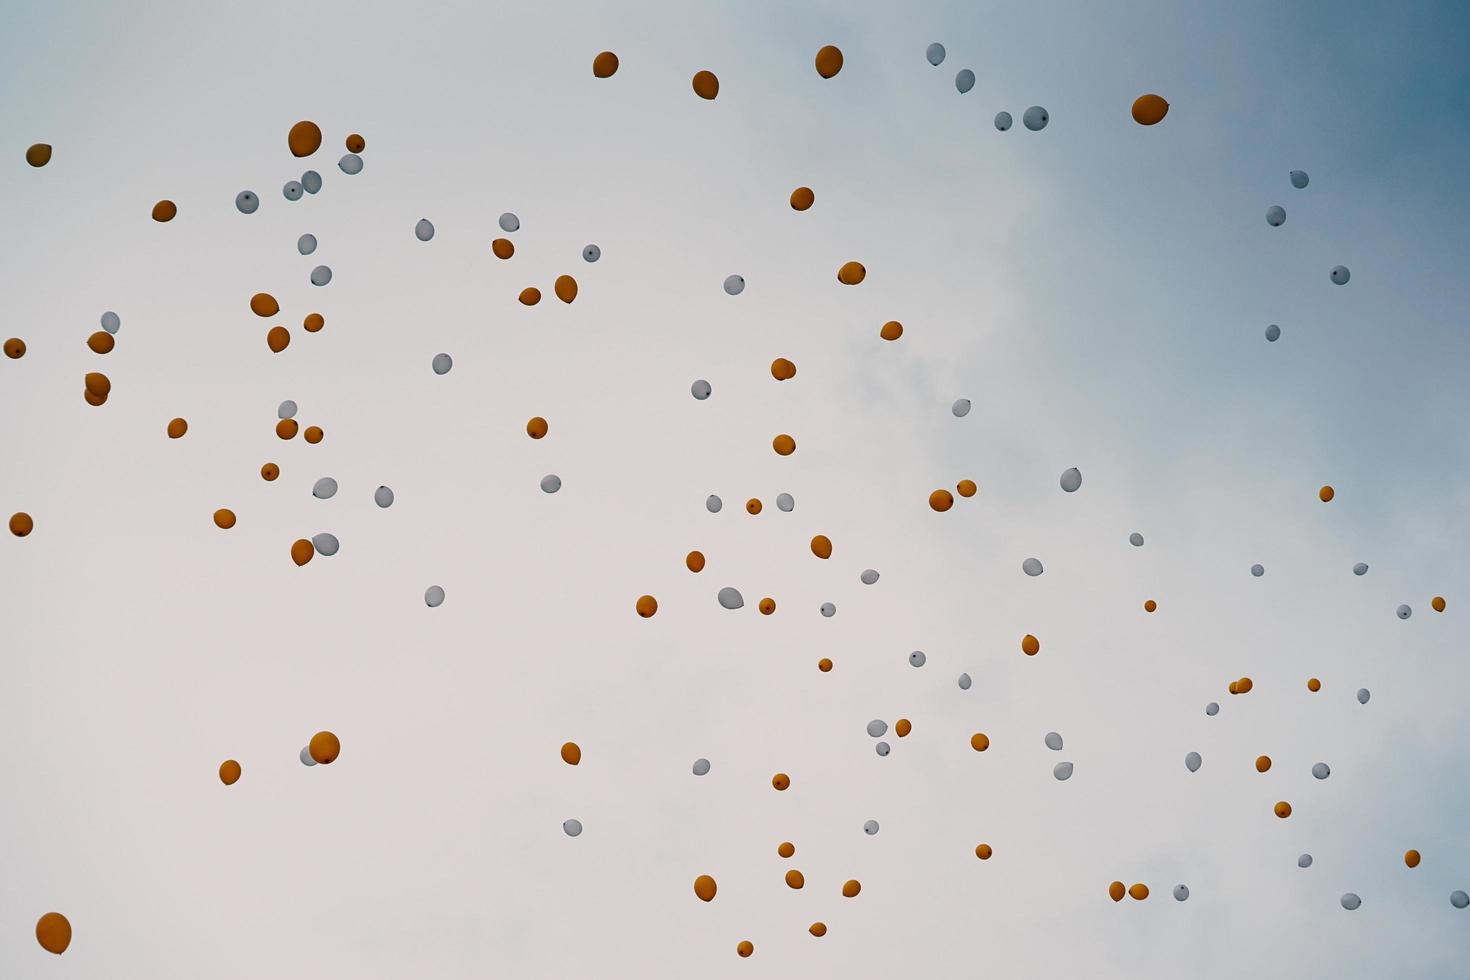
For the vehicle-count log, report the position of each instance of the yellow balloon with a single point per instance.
(324, 748)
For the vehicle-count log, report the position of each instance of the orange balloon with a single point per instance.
(941, 501)
(301, 551)
(177, 428)
(313, 322)
(1437, 603)
(892, 330)
(566, 288)
(1326, 493)
(1244, 685)
(503, 248)
(571, 753)
(224, 519)
(101, 342)
(537, 427)
(794, 879)
(1116, 891)
(1030, 645)
(605, 65)
(966, 488)
(269, 472)
(355, 143)
(1235, 687)
(782, 369)
(53, 932)
(1149, 605)
(286, 428)
(979, 741)
(752, 506)
(824, 665)
(94, 399)
(694, 561)
(851, 273)
(278, 339)
(780, 781)
(767, 606)
(1411, 858)
(1263, 762)
(646, 606)
(21, 524)
(818, 929)
(98, 384)
(784, 445)
(706, 85)
(15, 348)
(851, 888)
(324, 748)
(983, 852)
(229, 772)
(802, 198)
(530, 296)
(744, 948)
(704, 887)
(1283, 809)
(1149, 109)
(1138, 892)
(903, 727)
(1313, 684)
(264, 304)
(822, 546)
(165, 211)
(304, 139)
(313, 434)
(786, 849)
(829, 61)
(38, 154)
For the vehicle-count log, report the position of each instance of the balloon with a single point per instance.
(1035, 118)
(536, 428)
(1062, 771)
(706, 85)
(1138, 892)
(902, 727)
(53, 930)
(780, 781)
(700, 390)
(1313, 684)
(782, 369)
(264, 305)
(734, 285)
(1244, 685)
(979, 741)
(1437, 603)
(224, 519)
(1304, 861)
(383, 497)
(591, 253)
(967, 488)
(15, 348)
(94, 399)
(1263, 763)
(111, 322)
(1032, 567)
(934, 54)
(293, 190)
(766, 606)
(1459, 899)
(441, 364)
(1181, 892)
(828, 610)
(509, 223)
(313, 322)
(605, 65)
(311, 181)
(1193, 761)
(785, 502)
(565, 288)
(869, 576)
(246, 202)
(1361, 568)
(1003, 121)
(1298, 179)
(350, 164)
(286, 410)
(818, 929)
(701, 767)
(646, 606)
(870, 827)
(786, 849)
(851, 273)
(1273, 333)
(1340, 275)
(802, 198)
(321, 275)
(38, 154)
(877, 728)
(917, 659)
(1351, 901)
(851, 888)
(892, 330)
(744, 948)
(730, 598)
(784, 445)
(325, 544)
(713, 504)
(424, 230)
(1363, 695)
(824, 665)
(304, 139)
(278, 338)
(502, 248)
(177, 428)
(1275, 216)
(302, 551)
(550, 483)
(1403, 612)
(694, 561)
(165, 211)
(571, 753)
(1321, 770)
(571, 827)
(1411, 858)
(822, 546)
(960, 408)
(1071, 479)
(1053, 741)
(530, 296)
(983, 851)
(434, 596)
(964, 682)
(1148, 110)
(1212, 709)
(229, 772)
(1135, 539)
(941, 501)
(306, 759)
(1282, 809)
(964, 80)
(1116, 891)
(1030, 645)
(269, 472)
(324, 748)
(828, 61)
(1258, 570)
(313, 434)
(794, 879)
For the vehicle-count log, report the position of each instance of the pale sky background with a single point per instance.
(1099, 290)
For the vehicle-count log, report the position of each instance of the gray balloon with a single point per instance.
(734, 285)
(1035, 118)
(1403, 612)
(1032, 567)
(712, 503)
(572, 827)
(1340, 275)
(286, 410)
(1258, 570)
(701, 767)
(917, 658)
(247, 202)
(1181, 892)
(829, 610)
(1071, 479)
(1135, 539)
(306, 759)
(293, 190)
(325, 544)
(1305, 861)
(1192, 762)
(960, 408)
(424, 230)
(934, 54)
(311, 181)
(591, 253)
(1361, 568)
(785, 503)
(110, 322)
(324, 489)
(1002, 121)
(730, 598)
(1459, 899)
(550, 483)
(1321, 770)
(434, 596)
(869, 576)
(1062, 771)
(1351, 901)
(441, 364)
(1053, 741)
(882, 748)
(306, 244)
(700, 390)
(321, 275)
(1276, 216)
(1299, 179)
(964, 81)
(1363, 695)
(964, 682)
(877, 728)
(509, 222)
(1273, 333)
(383, 497)
(870, 827)
(1212, 709)
(351, 164)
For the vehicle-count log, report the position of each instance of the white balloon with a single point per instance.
(785, 503)
(1258, 570)
(351, 164)
(1053, 741)
(550, 483)
(700, 390)
(1071, 479)
(1299, 179)
(935, 54)
(1321, 770)
(311, 181)
(1459, 899)
(306, 759)
(591, 253)
(1361, 568)
(424, 230)
(1403, 612)
(434, 596)
(324, 489)
(701, 766)
(1192, 761)
(286, 410)
(383, 497)
(1363, 695)
(1212, 709)
(1032, 567)
(306, 244)
(917, 658)
(730, 598)
(964, 81)
(1002, 121)
(1276, 216)
(1340, 275)
(1273, 333)
(1062, 771)
(870, 827)
(829, 610)
(325, 544)
(1035, 118)
(964, 682)
(1181, 892)
(293, 190)
(321, 275)
(882, 748)
(869, 576)
(734, 285)
(713, 504)
(877, 728)
(110, 322)
(1351, 901)
(1135, 539)
(1305, 861)
(247, 202)
(509, 222)
(572, 827)
(960, 408)
(441, 364)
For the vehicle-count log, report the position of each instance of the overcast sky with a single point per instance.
(1098, 290)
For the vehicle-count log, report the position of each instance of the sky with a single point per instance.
(1098, 290)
